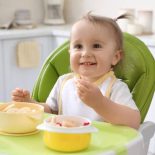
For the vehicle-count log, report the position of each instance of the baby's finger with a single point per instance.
(26, 93)
(17, 98)
(83, 82)
(81, 88)
(80, 92)
(16, 93)
(19, 90)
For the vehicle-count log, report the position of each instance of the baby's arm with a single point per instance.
(112, 112)
(21, 95)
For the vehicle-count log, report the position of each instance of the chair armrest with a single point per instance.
(147, 129)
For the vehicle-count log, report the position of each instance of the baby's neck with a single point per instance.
(90, 79)
(97, 79)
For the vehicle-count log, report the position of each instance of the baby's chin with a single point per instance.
(88, 78)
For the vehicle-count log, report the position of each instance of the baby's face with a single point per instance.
(92, 50)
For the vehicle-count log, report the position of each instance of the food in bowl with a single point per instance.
(13, 108)
(20, 117)
(67, 121)
(74, 136)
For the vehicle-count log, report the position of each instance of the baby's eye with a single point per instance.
(97, 46)
(78, 46)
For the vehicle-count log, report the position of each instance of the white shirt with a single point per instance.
(71, 104)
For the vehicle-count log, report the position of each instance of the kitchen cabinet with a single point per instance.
(152, 49)
(149, 40)
(1, 73)
(12, 75)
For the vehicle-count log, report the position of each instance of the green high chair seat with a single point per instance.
(137, 69)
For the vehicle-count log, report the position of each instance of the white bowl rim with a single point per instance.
(76, 130)
(60, 129)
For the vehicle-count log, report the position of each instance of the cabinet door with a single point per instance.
(58, 40)
(15, 76)
(1, 74)
(152, 49)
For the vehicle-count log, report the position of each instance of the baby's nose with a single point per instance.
(86, 54)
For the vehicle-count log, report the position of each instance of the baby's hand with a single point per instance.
(20, 95)
(89, 93)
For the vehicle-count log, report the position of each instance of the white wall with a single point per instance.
(8, 7)
(74, 8)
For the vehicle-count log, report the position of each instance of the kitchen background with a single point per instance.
(73, 9)
(50, 37)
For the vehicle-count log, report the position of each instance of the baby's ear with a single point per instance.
(117, 57)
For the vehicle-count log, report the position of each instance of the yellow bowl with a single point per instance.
(66, 142)
(67, 139)
(20, 122)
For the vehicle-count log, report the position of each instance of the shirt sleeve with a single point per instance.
(121, 94)
(52, 100)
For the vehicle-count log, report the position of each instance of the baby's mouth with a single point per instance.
(88, 63)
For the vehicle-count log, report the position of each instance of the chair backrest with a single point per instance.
(137, 69)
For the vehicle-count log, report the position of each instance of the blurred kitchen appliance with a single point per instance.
(54, 12)
(145, 18)
(23, 17)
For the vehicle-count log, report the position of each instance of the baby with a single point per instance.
(92, 90)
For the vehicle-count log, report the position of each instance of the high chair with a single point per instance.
(137, 69)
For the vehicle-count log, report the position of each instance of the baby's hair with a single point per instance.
(123, 16)
(106, 21)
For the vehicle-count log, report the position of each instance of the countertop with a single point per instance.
(41, 30)
(55, 30)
